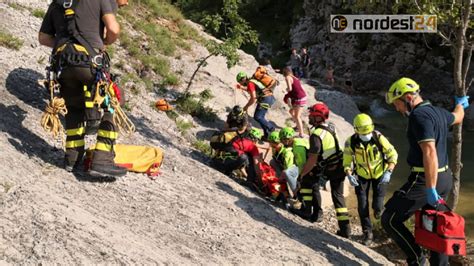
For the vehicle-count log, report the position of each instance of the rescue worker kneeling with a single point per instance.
(236, 150)
(299, 148)
(373, 158)
(324, 162)
(282, 157)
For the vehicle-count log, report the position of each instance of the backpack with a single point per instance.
(261, 74)
(140, 159)
(221, 143)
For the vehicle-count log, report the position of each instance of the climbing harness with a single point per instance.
(76, 51)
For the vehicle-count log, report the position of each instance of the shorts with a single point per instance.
(301, 102)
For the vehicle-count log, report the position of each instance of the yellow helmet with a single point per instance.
(399, 88)
(363, 124)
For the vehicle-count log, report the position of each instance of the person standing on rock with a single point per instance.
(78, 32)
(430, 179)
(295, 63)
(295, 98)
(373, 158)
(262, 96)
(324, 162)
(305, 62)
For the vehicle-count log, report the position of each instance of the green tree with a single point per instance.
(235, 30)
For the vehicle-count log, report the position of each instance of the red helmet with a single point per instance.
(319, 110)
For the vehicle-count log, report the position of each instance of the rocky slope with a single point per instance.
(191, 214)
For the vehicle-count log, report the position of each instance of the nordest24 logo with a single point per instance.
(383, 23)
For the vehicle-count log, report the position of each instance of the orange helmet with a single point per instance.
(163, 105)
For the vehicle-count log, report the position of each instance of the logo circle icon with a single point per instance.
(339, 23)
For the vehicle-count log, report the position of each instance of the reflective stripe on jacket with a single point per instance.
(261, 90)
(328, 143)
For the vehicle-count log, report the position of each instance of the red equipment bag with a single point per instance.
(440, 231)
(271, 184)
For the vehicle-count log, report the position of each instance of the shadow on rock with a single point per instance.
(205, 135)
(23, 83)
(315, 239)
(23, 139)
(85, 177)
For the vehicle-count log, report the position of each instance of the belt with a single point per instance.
(422, 169)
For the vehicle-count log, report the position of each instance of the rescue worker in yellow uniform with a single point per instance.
(324, 162)
(299, 148)
(369, 160)
(282, 157)
(78, 32)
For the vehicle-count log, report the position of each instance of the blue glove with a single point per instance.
(386, 177)
(432, 197)
(463, 100)
(353, 180)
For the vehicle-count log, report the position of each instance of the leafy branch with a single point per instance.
(235, 32)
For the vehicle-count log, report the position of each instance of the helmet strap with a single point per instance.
(408, 104)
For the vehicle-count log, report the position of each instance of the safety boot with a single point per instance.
(317, 217)
(378, 214)
(344, 229)
(303, 212)
(103, 165)
(368, 237)
(73, 159)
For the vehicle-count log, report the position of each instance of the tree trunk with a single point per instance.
(196, 71)
(459, 75)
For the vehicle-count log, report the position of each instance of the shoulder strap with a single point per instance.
(354, 141)
(331, 130)
(258, 83)
(376, 136)
(69, 7)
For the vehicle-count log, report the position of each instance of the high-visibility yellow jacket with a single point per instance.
(300, 149)
(331, 153)
(284, 156)
(370, 159)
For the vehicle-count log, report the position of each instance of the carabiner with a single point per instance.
(67, 4)
(97, 60)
